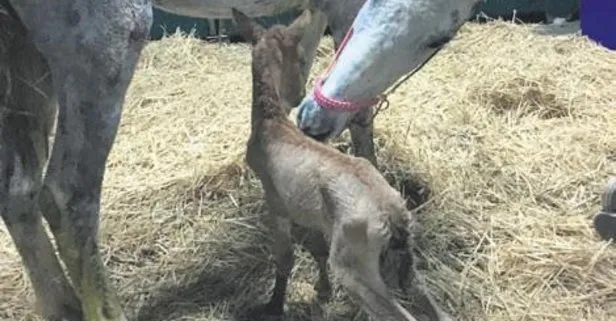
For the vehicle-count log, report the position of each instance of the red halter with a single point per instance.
(333, 104)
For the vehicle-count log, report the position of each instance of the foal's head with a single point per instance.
(277, 50)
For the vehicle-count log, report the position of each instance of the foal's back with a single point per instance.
(299, 170)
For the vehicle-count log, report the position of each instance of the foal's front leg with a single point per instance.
(92, 48)
(283, 255)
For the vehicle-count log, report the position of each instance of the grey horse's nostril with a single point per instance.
(302, 119)
(299, 119)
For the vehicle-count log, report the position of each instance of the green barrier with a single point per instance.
(506, 8)
(165, 22)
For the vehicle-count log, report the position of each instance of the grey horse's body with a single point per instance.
(80, 55)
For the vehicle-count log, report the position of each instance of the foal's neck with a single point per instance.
(266, 101)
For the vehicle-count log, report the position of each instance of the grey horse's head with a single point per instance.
(388, 39)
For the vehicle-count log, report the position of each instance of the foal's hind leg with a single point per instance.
(92, 48)
(422, 303)
(26, 117)
(355, 262)
(315, 243)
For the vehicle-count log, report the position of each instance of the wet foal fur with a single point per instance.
(355, 219)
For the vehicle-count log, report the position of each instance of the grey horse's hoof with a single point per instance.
(605, 221)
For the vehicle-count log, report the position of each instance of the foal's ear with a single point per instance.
(250, 30)
(297, 28)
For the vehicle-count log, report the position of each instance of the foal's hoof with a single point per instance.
(324, 291)
(605, 221)
(66, 313)
(265, 312)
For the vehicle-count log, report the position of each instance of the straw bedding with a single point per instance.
(514, 134)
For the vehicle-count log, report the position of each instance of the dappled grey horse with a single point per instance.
(82, 54)
(387, 40)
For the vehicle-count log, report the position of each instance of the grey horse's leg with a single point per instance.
(362, 135)
(605, 221)
(311, 39)
(27, 111)
(340, 17)
(361, 126)
(92, 49)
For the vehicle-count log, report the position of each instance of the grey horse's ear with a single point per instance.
(250, 30)
(297, 28)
